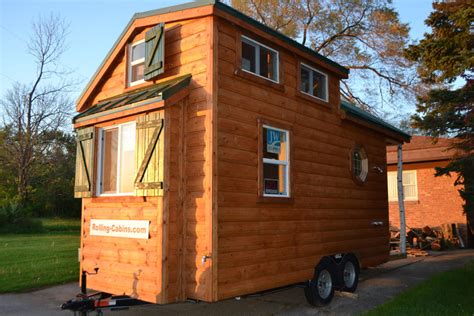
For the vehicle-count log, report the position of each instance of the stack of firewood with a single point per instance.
(445, 237)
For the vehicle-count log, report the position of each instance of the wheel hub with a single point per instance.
(324, 284)
(349, 274)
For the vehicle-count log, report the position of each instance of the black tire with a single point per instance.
(320, 290)
(349, 273)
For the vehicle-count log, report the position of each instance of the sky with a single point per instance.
(95, 26)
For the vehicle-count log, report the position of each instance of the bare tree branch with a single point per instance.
(342, 32)
(34, 110)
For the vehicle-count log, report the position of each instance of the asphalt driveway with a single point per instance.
(375, 287)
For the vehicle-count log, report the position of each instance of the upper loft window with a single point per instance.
(313, 82)
(259, 59)
(116, 160)
(136, 63)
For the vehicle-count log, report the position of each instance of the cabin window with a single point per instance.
(409, 181)
(116, 160)
(259, 59)
(313, 82)
(359, 164)
(136, 62)
(275, 162)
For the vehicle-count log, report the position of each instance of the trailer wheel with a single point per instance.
(320, 290)
(349, 273)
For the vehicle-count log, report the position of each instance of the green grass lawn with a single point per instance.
(32, 261)
(61, 224)
(448, 293)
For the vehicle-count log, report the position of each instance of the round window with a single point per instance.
(359, 164)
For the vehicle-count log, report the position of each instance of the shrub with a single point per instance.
(14, 219)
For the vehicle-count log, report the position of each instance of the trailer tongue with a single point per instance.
(85, 303)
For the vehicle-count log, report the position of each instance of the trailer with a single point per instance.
(216, 159)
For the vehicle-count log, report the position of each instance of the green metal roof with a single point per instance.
(223, 7)
(136, 98)
(357, 112)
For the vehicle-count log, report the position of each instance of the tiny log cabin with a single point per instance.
(215, 159)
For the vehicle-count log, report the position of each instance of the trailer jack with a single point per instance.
(97, 302)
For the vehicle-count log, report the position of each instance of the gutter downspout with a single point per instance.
(401, 198)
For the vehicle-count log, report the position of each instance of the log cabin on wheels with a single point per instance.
(215, 159)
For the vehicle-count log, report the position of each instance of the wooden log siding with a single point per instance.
(267, 245)
(185, 51)
(184, 212)
(126, 266)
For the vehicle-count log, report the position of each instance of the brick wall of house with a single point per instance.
(438, 199)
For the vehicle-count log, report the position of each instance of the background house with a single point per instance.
(429, 200)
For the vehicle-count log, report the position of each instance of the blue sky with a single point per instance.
(95, 26)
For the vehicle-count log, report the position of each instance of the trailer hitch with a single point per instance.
(85, 303)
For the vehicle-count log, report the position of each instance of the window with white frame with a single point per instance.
(136, 63)
(116, 168)
(313, 82)
(359, 164)
(259, 59)
(410, 188)
(276, 163)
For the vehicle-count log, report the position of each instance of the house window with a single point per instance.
(116, 160)
(275, 162)
(359, 164)
(313, 82)
(410, 188)
(259, 59)
(136, 63)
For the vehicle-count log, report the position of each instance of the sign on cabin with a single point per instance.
(120, 228)
(273, 141)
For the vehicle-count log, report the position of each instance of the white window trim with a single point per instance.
(257, 59)
(311, 80)
(100, 161)
(133, 63)
(280, 162)
(410, 198)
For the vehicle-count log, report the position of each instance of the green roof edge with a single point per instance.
(357, 112)
(222, 6)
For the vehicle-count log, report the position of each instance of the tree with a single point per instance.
(365, 36)
(445, 56)
(7, 170)
(53, 181)
(36, 109)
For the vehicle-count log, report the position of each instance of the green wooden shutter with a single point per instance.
(149, 155)
(155, 51)
(84, 162)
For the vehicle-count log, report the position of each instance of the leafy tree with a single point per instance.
(365, 36)
(445, 56)
(7, 170)
(52, 191)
